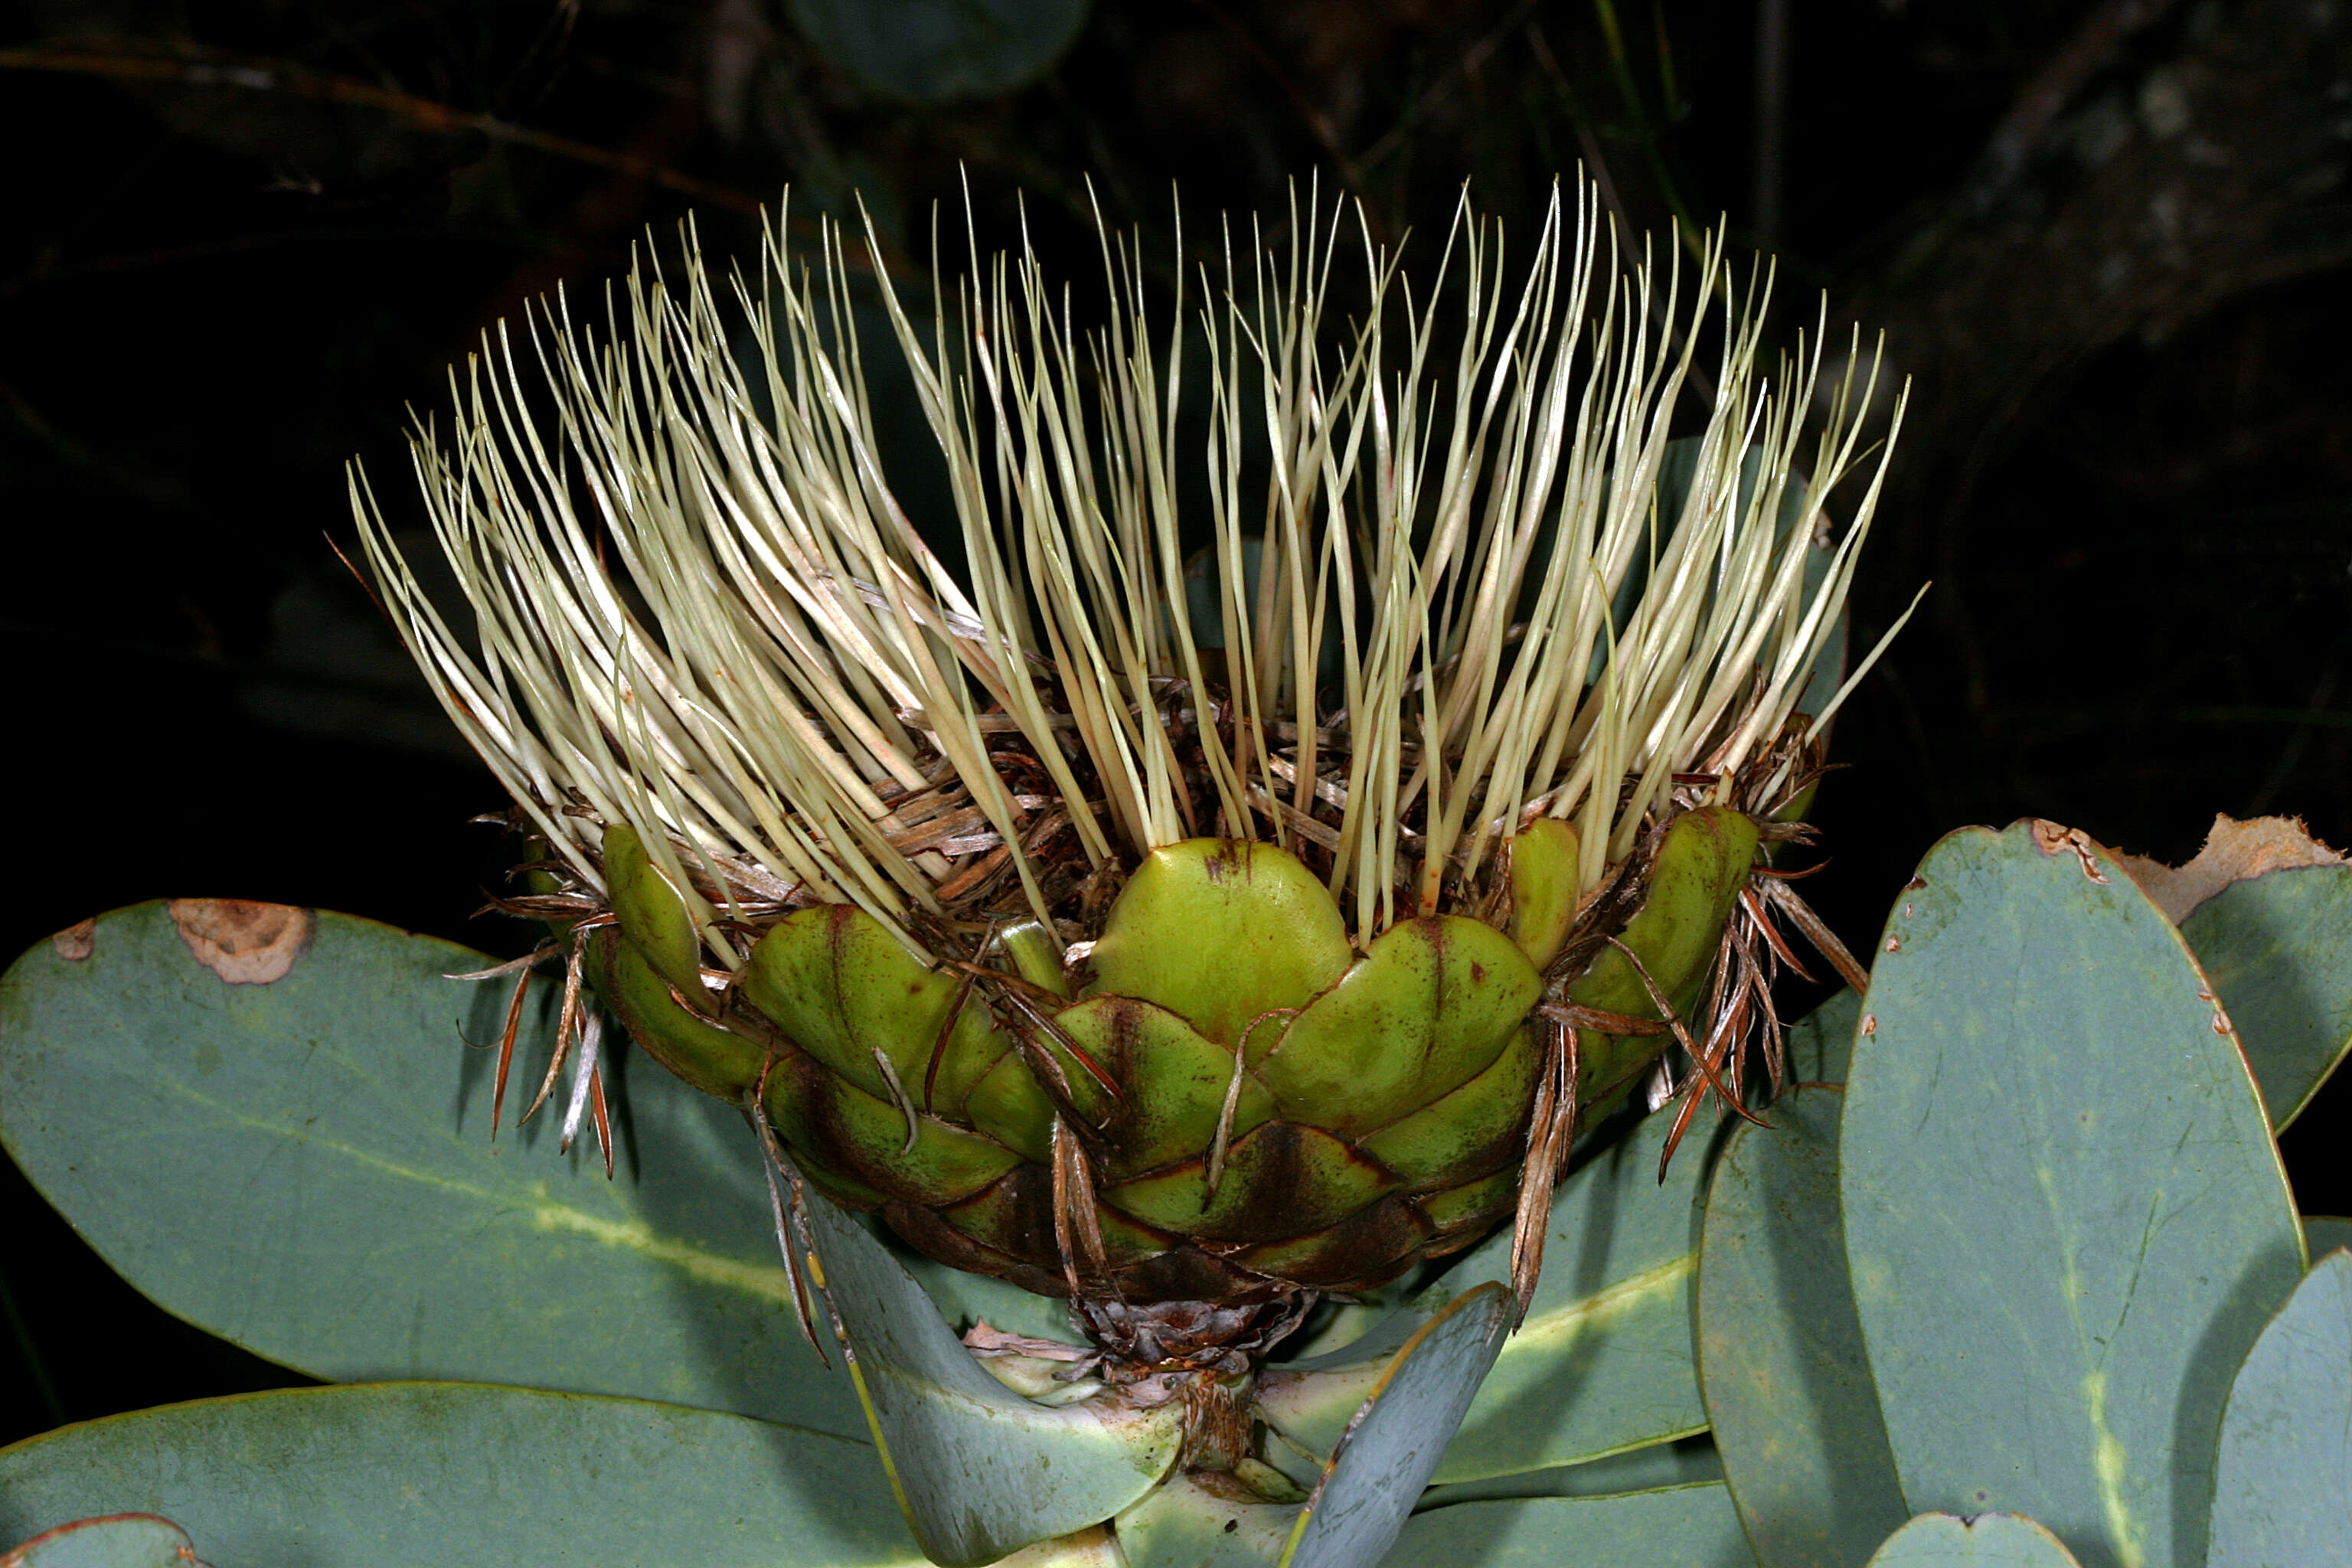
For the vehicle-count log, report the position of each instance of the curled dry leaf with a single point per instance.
(2234, 851)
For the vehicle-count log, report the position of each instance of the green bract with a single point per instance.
(1266, 1108)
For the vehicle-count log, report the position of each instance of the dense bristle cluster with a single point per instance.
(1432, 594)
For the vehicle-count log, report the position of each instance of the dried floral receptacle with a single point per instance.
(1192, 905)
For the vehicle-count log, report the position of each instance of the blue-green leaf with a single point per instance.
(1686, 1527)
(979, 1470)
(2065, 1218)
(1686, 1461)
(1603, 1360)
(1821, 1043)
(370, 1473)
(111, 1541)
(1187, 1521)
(1395, 1441)
(304, 1165)
(2278, 948)
(1781, 1353)
(2283, 1486)
(1980, 1540)
(2325, 1233)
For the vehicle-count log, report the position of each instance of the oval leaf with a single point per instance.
(114, 1541)
(1780, 1354)
(1604, 1359)
(1821, 1043)
(1983, 1541)
(304, 1165)
(1183, 1523)
(1687, 1461)
(1395, 1441)
(1689, 1527)
(2278, 949)
(2064, 1215)
(2283, 1486)
(979, 1470)
(370, 1473)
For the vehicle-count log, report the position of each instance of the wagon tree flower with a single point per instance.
(1201, 873)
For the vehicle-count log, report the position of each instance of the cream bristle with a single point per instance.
(699, 607)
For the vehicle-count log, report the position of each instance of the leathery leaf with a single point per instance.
(1686, 1526)
(2282, 1487)
(110, 1540)
(2066, 1219)
(335, 1200)
(1780, 1354)
(979, 1470)
(1392, 1445)
(1192, 1522)
(2278, 949)
(1976, 1540)
(362, 1475)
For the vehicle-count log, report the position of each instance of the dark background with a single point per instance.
(2109, 242)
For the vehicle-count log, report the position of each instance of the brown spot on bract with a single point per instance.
(244, 942)
(75, 943)
(2053, 838)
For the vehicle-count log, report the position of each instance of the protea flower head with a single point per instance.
(1219, 860)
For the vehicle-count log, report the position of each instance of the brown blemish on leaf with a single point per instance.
(1895, 944)
(2234, 851)
(75, 943)
(1870, 1023)
(244, 942)
(2053, 838)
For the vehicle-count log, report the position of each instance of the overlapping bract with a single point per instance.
(1258, 1107)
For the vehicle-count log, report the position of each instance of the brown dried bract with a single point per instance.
(75, 943)
(2053, 838)
(244, 942)
(2233, 852)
